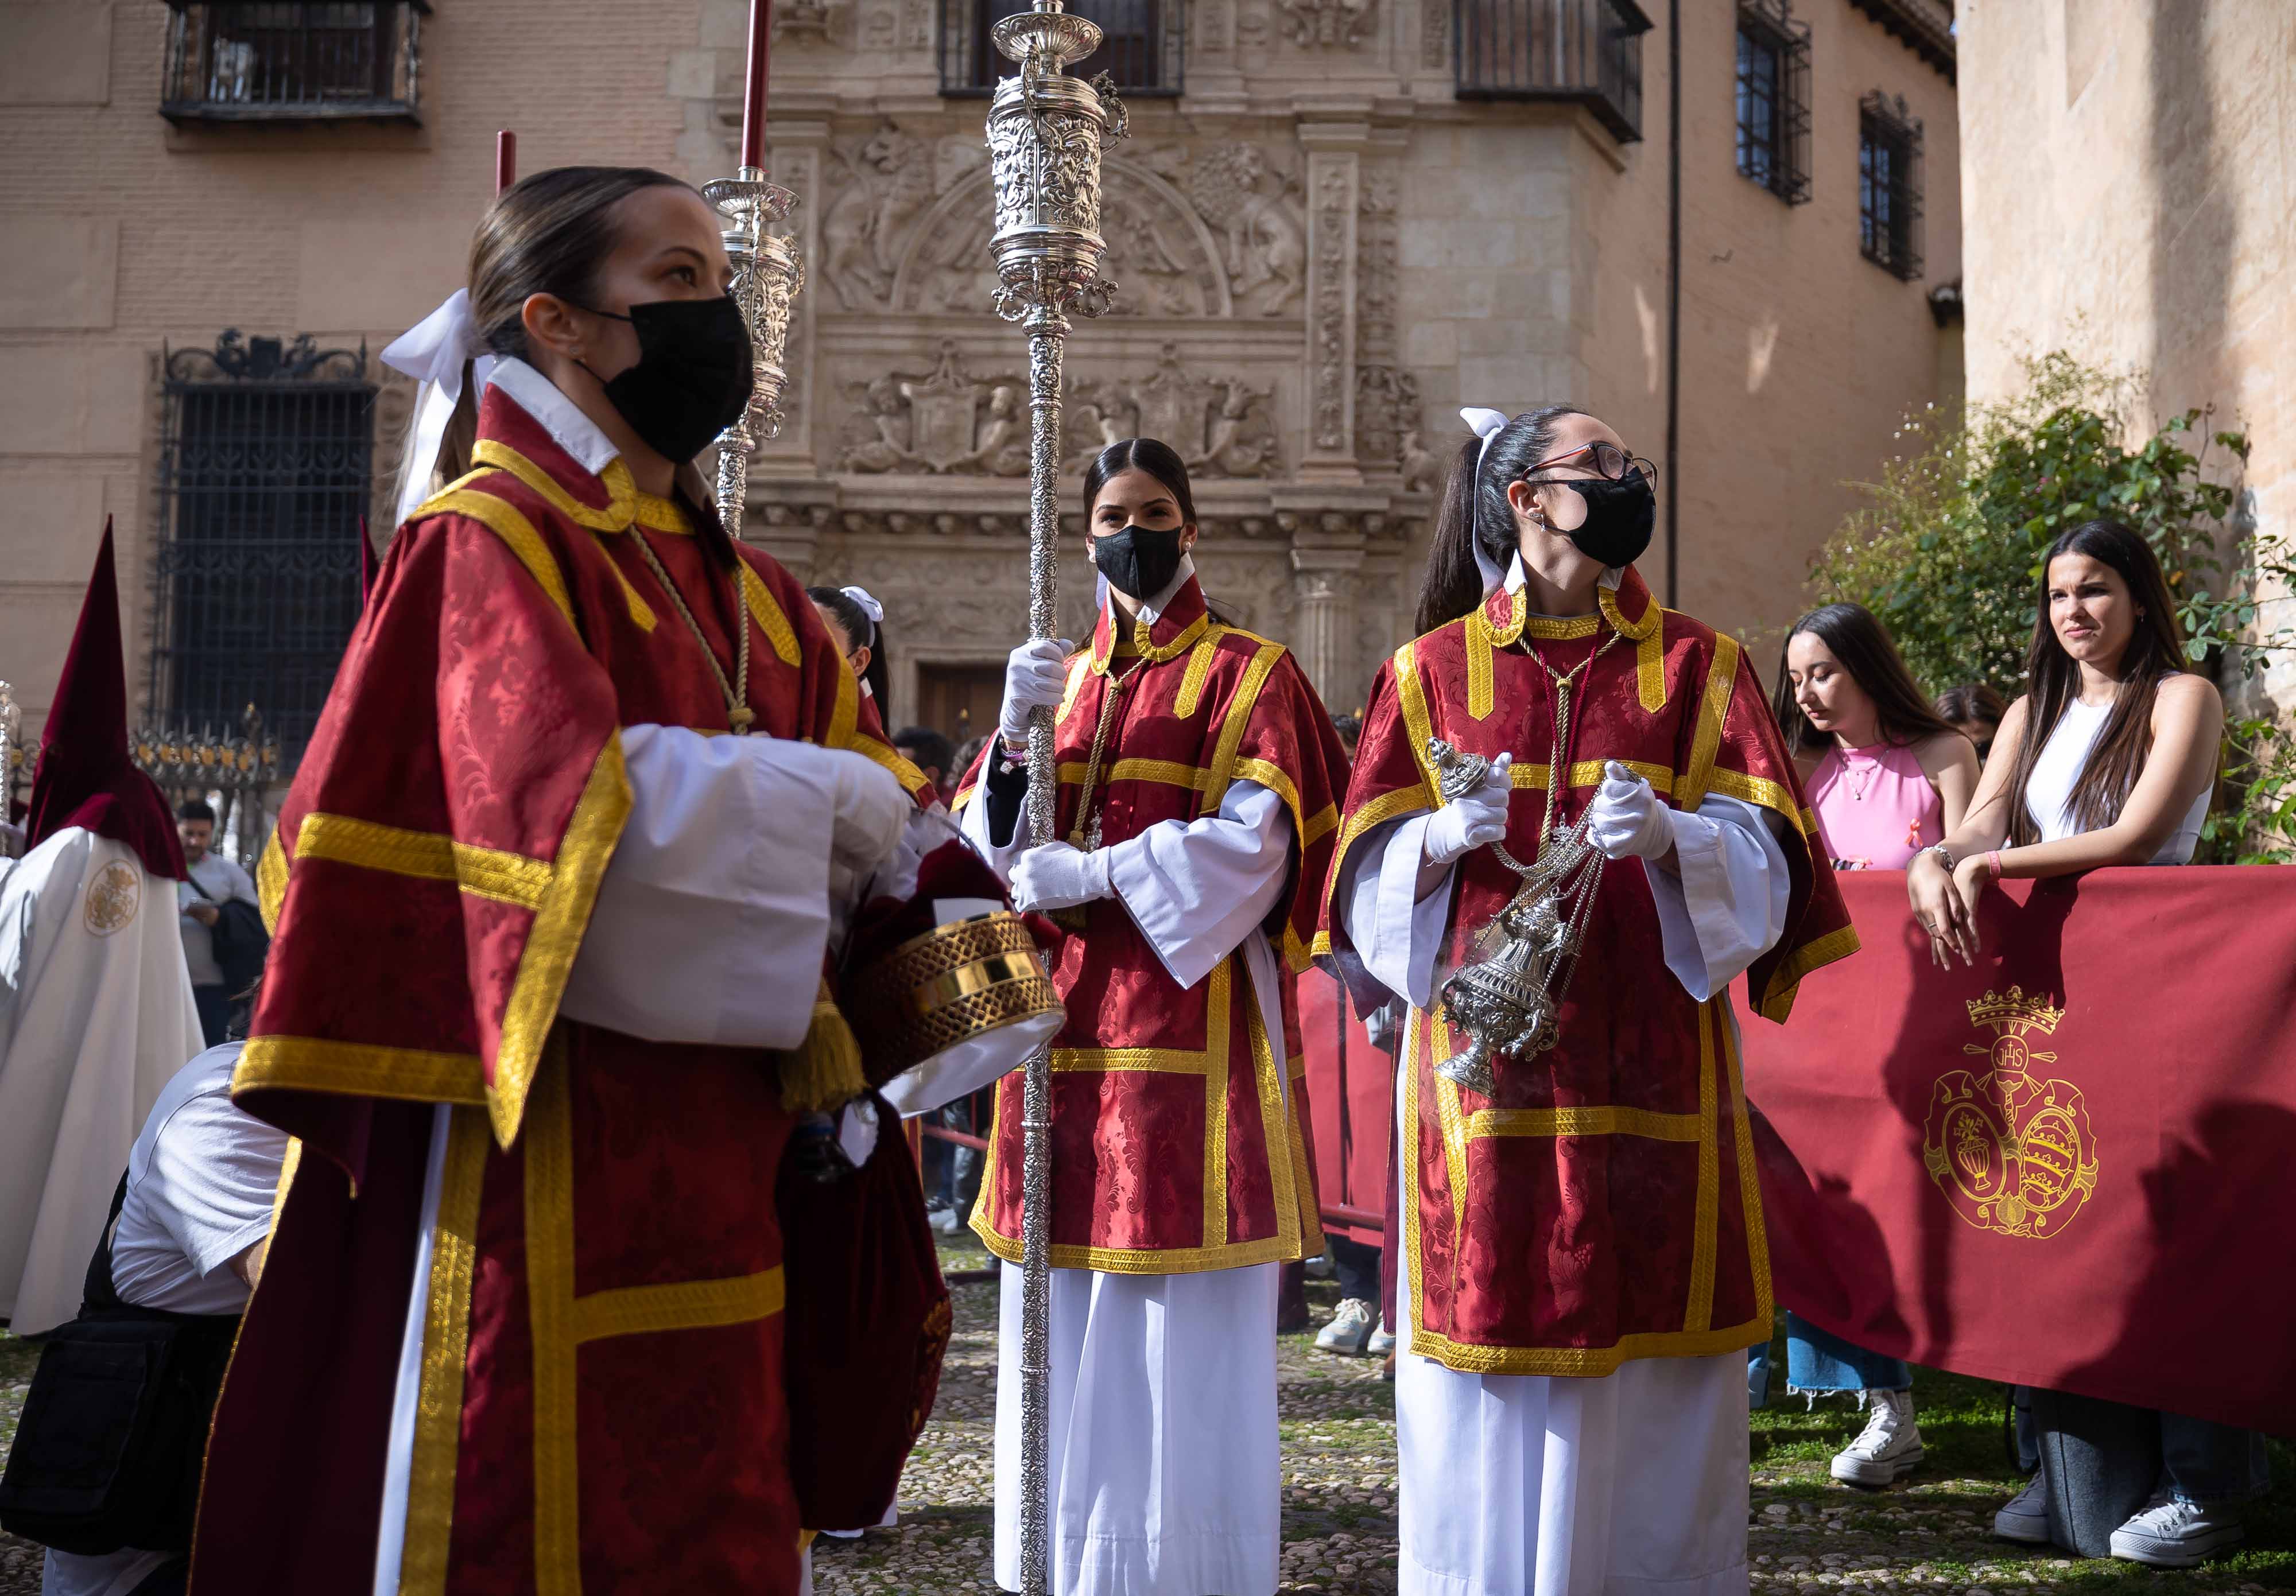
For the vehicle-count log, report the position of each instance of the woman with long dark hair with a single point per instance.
(552, 892)
(1199, 776)
(1885, 776)
(2108, 759)
(1581, 1263)
(1886, 773)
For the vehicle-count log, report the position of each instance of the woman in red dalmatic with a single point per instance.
(1581, 1262)
(541, 922)
(1197, 801)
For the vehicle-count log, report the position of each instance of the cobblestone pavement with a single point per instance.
(1807, 1536)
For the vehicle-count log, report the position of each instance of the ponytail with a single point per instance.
(1453, 583)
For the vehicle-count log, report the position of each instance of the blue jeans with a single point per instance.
(1816, 1361)
(2204, 1461)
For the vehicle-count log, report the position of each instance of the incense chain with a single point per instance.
(1558, 775)
(738, 713)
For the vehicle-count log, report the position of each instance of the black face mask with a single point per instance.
(1620, 516)
(692, 378)
(1139, 562)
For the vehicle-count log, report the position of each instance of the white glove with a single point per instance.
(1469, 822)
(1057, 876)
(1034, 673)
(1625, 817)
(868, 810)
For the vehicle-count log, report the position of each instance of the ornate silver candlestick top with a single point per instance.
(1045, 133)
(766, 277)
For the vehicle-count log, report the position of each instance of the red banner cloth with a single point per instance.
(1351, 1102)
(2072, 1167)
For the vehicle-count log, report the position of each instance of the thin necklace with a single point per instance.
(1086, 833)
(738, 713)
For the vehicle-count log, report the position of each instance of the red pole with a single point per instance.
(753, 91)
(505, 160)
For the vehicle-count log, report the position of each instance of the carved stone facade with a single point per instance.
(1320, 252)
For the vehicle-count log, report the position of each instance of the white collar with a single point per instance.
(1151, 608)
(1515, 579)
(560, 416)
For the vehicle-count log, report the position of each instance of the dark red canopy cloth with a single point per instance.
(84, 777)
(2067, 1167)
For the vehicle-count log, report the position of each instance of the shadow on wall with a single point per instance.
(2195, 228)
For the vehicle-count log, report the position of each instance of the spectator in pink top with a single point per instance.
(1887, 774)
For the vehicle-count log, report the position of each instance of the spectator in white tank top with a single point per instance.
(2109, 759)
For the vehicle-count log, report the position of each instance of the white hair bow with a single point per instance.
(869, 607)
(1486, 425)
(433, 352)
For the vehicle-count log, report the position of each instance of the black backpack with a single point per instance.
(114, 1429)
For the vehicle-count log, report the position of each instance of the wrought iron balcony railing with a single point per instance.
(1581, 51)
(1141, 46)
(269, 60)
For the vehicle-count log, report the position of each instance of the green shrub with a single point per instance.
(1946, 551)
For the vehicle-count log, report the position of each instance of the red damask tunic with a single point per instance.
(601, 1391)
(1603, 1205)
(1175, 1147)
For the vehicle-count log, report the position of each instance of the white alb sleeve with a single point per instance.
(1196, 889)
(1396, 933)
(1728, 907)
(714, 915)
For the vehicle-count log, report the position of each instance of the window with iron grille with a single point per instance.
(1774, 98)
(1890, 185)
(255, 60)
(266, 467)
(1140, 45)
(1588, 52)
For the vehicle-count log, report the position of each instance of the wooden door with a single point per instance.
(959, 702)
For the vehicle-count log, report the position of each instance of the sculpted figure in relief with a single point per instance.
(888, 184)
(1253, 210)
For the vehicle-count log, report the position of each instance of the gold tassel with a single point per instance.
(823, 1071)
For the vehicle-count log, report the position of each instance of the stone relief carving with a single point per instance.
(1323, 23)
(818, 21)
(942, 422)
(1376, 255)
(1434, 35)
(1387, 407)
(1252, 207)
(1422, 470)
(1328, 327)
(1220, 426)
(882, 186)
(1166, 259)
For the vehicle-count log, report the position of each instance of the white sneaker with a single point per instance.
(2172, 1532)
(1888, 1449)
(1381, 1342)
(1321, 1267)
(1349, 1330)
(2027, 1516)
(947, 1222)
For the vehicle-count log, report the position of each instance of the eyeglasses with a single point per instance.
(1605, 460)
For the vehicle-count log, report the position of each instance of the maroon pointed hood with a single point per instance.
(84, 777)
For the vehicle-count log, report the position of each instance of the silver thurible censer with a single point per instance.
(766, 277)
(1045, 133)
(1509, 1001)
